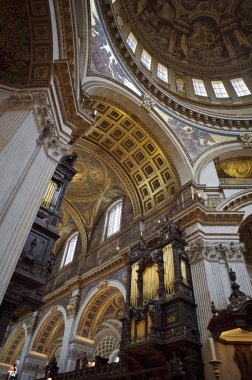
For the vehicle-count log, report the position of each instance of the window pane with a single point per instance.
(114, 219)
(240, 87)
(132, 42)
(162, 72)
(146, 59)
(69, 252)
(219, 89)
(199, 87)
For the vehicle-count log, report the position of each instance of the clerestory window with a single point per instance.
(132, 42)
(199, 87)
(162, 73)
(219, 89)
(113, 219)
(240, 87)
(69, 250)
(146, 59)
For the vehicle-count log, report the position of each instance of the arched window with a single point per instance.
(113, 219)
(69, 250)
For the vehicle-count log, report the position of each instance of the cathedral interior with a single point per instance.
(126, 189)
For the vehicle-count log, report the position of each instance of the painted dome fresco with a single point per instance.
(195, 34)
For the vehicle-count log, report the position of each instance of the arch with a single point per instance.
(222, 151)
(93, 296)
(237, 201)
(48, 330)
(125, 98)
(14, 346)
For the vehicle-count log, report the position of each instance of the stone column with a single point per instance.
(72, 309)
(210, 263)
(30, 330)
(30, 148)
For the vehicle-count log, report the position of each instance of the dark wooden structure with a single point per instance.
(160, 324)
(237, 315)
(36, 261)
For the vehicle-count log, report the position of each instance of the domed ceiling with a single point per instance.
(195, 34)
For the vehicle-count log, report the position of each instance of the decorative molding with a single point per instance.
(31, 325)
(245, 140)
(63, 83)
(148, 103)
(170, 100)
(212, 251)
(197, 213)
(72, 307)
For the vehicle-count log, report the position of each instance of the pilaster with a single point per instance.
(210, 261)
(65, 360)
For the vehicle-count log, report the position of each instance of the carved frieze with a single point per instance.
(213, 251)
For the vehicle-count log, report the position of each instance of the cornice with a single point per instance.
(172, 104)
(197, 213)
(79, 282)
(70, 113)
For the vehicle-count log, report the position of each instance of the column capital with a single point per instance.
(215, 251)
(50, 133)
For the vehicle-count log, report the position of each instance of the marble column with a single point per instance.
(30, 147)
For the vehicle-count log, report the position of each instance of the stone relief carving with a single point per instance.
(147, 102)
(246, 140)
(72, 307)
(48, 134)
(202, 249)
(32, 324)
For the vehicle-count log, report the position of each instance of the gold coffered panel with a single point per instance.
(137, 151)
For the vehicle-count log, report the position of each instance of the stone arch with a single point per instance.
(222, 151)
(124, 98)
(50, 330)
(95, 306)
(14, 346)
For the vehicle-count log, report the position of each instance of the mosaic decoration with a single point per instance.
(235, 170)
(193, 139)
(103, 60)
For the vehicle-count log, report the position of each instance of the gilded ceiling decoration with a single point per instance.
(195, 33)
(138, 153)
(26, 42)
(91, 180)
(96, 307)
(52, 328)
(235, 170)
(14, 347)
